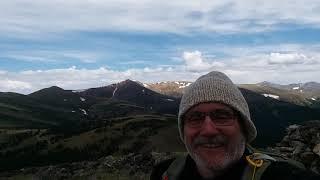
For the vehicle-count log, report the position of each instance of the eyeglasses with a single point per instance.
(219, 117)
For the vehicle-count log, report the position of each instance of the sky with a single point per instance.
(79, 44)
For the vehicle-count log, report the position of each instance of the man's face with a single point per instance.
(214, 140)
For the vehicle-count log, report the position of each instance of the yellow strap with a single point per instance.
(255, 163)
(254, 173)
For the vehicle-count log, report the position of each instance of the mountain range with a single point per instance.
(300, 93)
(54, 106)
(54, 125)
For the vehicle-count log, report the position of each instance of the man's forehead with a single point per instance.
(210, 106)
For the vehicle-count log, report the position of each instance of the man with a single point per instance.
(214, 124)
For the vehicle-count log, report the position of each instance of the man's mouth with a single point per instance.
(208, 145)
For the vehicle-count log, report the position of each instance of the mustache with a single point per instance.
(219, 140)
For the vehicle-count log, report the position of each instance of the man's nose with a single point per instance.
(208, 127)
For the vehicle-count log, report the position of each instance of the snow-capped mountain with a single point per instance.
(171, 88)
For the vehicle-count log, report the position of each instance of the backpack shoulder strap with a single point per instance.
(257, 164)
(175, 168)
(259, 161)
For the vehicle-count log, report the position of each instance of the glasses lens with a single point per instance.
(221, 114)
(220, 117)
(195, 118)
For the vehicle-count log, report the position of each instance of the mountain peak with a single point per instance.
(55, 88)
(129, 82)
(48, 90)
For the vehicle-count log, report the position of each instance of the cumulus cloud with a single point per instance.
(195, 62)
(287, 58)
(34, 17)
(291, 64)
(15, 86)
(73, 78)
(55, 19)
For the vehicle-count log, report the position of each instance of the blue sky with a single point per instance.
(81, 44)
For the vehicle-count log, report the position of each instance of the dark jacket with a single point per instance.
(279, 170)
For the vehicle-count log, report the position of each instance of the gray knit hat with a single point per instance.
(217, 87)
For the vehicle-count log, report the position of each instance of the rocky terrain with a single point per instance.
(302, 143)
(131, 166)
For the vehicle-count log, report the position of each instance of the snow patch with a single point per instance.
(183, 85)
(84, 111)
(145, 85)
(169, 99)
(142, 90)
(295, 88)
(78, 91)
(82, 99)
(271, 95)
(73, 111)
(65, 100)
(114, 91)
(301, 90)
(163, 82)
(313, 99)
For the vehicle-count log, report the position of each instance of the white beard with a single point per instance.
(214, 168)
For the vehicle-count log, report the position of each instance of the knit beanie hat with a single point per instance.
(217, 87)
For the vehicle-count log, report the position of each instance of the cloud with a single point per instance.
(292, 63)
(36, 17)
(52, 56)
(15, 86)
(279, 59)
(73, 78)
(195, 62)
(284, 63)
(287, 58)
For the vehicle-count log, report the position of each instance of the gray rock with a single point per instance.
(286, 149)
(296, 143)
(302, 143)
(292, 127)
(307, 157)
(316, 149)
(299, 149)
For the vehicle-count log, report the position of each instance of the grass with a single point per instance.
(98, 175)
(117, 176)
(165, 136)
(135, 133)
(21, 177)
(8, 106)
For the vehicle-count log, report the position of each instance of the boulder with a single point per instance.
(302, 143)
(316, 149)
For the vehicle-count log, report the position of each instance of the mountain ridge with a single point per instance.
(54, 125)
